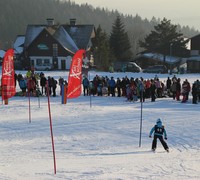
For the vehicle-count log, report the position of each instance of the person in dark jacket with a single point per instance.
(141, 88)
(194, 93)
(23, 86)
(61, 83)
(184, 91)
(188, 89)
(49, 85)
(153, 90)
(43, 83)
(168, 85)
(159, 131)
(112, 85)
(118, 85)
(85, 83)
(178, 89)
(173, 89)
(54, 86)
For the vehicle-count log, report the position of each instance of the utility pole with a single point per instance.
(171, 44)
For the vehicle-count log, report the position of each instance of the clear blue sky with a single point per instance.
(183, 12)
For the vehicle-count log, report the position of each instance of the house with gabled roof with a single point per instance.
(56, 44)
(193, 62)
(145, 59)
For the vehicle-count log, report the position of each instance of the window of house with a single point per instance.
(38, 61)
(55, 50)
(46, 61)
(32, 62)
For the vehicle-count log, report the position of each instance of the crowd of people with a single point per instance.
(34, 84)
(133, 89)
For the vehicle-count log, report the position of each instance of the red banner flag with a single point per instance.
(8, 75)
(75, 75)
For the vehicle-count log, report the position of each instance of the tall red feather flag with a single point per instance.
(75, 75)
(8, 75)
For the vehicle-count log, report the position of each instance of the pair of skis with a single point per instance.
(154, 150)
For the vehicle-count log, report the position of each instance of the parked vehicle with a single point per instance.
(126, 67)
(161, 69)
(43, 67)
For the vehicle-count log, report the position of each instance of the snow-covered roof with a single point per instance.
(193, 58)
(168, 59)
(65, 40)
(81, 34)
(19, 44)
(70, 37)
(32, 32)
(2, 52)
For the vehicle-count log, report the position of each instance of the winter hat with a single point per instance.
(158, 121)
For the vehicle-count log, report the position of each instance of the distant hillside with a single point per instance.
(16, 14)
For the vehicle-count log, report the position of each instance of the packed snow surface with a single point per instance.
(98, 137)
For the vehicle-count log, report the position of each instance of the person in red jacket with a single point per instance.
(31, 86)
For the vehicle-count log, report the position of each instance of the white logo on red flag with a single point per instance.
(8, 75)
(75, 75)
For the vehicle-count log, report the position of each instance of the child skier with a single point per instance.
(159, 130)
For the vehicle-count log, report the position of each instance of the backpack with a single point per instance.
(22, 84)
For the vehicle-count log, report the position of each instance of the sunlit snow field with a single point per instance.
(98, 139)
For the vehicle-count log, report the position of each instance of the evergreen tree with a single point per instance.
(164, 36)
(119, 41)
(16, 16)
(101, 49)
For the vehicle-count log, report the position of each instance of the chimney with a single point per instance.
(50, 21)
(72, 22)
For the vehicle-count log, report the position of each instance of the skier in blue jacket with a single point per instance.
(159, 130)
